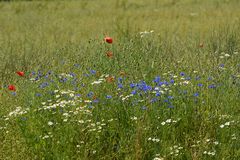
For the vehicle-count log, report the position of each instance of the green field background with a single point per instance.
(41, 35)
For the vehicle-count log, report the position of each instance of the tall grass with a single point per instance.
(171, 92)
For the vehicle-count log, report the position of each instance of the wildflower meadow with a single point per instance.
(120, 80)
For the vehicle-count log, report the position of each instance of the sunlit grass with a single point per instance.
(167, 87)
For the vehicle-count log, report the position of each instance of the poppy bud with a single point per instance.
(94, 97)
(109, 54)
(110, 79)
(12, 88)
(108, 39)
(20, 73)
(201, 45)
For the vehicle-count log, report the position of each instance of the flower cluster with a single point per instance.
(145, 33)
(154, 139)
(169, 121)
(176, 150)
(18, 111)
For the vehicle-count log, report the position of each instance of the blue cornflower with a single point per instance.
(96, 100)
(132, 85)
(40, 74)
(166, 100)
(38, 94)
(46, 76)
(62, 80)
(166, 83)
(154, 100)
(161, 83)
(170, 106)
(44, 84)
(172, 81)
(134, 92)
(157, 79)
(77, 65)
(120, 85)
(158, 94)
(200, 84)
(72, 74)
(221, 65)
(92, 71)
(90, 94)
(146, 88)
(142, 85)
(170, 97)
(78, 95)
(212, 86)
(182, 74)
(209, 78)
(120, 79)
(196, 94)
(108, 96)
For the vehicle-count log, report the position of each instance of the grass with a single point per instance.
(171, 92)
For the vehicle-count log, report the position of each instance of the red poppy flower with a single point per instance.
(20, 73)
(109, 54)
(108, 39)
(12, 88)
